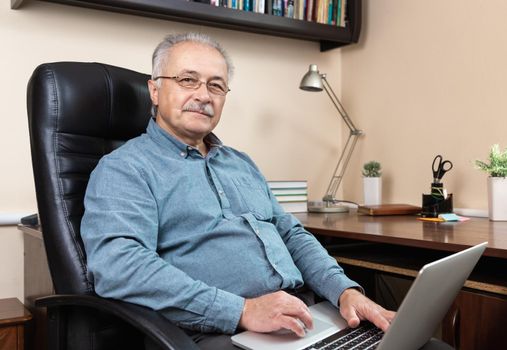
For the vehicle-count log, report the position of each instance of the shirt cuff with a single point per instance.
(336, 286)
(225, 312)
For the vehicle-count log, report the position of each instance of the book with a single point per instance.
(277, 7)
(288, 10)
(339, 13)
(302, 9)
(295, 207)
(296, 8)
(247, 5)
(389, 209)
(260, 6)
(343, 13)
(297, 184)
(290, 198)
(329, 15)
(289, 192)
(309, 10)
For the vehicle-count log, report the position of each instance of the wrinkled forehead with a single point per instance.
(201, 59)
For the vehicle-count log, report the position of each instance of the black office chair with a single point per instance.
(77, 113)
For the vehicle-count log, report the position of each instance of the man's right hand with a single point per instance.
(275, 311)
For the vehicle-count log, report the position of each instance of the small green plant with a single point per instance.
(497, 166)
(372, 169)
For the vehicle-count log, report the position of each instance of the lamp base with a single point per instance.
(321, 207)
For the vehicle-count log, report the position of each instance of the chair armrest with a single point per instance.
(162, 331)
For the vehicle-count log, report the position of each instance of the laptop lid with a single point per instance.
(429, 298)
(422, 309)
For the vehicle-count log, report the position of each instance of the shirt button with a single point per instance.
(221, 193)
(182, 154)
(257, 231)
(275, 266)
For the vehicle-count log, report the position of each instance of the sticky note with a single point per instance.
(449, 217)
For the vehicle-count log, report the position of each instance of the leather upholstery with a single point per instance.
(78, 112)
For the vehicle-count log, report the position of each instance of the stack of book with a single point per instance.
(292, 195)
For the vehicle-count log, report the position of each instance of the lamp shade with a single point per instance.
(312, 81)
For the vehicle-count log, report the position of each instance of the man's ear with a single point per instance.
(152, 86)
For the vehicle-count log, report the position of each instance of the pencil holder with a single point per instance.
(432, 205)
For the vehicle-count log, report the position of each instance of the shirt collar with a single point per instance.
(167, 140)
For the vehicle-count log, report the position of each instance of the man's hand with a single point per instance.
(355, 307)
(275, 311)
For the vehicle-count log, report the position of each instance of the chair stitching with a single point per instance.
(60, 184)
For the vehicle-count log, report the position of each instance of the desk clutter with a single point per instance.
(436, 206)
(407, 209)
(448, 217)
(438, 201)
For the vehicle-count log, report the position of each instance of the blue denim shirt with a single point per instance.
(192, 236)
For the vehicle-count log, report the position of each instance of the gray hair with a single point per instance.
(161, 53)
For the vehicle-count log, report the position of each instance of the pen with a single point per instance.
(431, 219)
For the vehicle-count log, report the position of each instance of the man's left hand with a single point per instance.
(355, 307)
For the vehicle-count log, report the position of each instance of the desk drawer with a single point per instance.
(11, 338)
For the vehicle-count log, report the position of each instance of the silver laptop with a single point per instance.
(420, 313)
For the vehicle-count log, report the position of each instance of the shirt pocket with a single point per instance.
(254, 198)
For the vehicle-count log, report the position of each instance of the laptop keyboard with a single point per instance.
(364, 337)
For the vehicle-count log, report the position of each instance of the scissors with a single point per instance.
(440, 167)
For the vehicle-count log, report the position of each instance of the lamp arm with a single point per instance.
(346, 154)
(338, 105)
(339, 171)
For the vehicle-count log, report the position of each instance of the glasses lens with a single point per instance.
(217, 88)
(188, 82)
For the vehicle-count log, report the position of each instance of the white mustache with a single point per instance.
(203, 108)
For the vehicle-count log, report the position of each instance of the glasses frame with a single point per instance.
(175, 78)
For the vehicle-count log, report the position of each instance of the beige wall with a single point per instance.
(291, 134)
(428, 77)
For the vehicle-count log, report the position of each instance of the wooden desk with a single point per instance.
(401, 245)
(406, 230)
(13, 317)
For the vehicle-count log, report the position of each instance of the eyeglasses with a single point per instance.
(215, 87)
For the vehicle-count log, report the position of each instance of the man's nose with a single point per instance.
(202, 93)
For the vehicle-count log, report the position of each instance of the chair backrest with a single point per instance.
(77, 113)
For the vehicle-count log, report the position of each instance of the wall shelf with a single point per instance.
(329, 36)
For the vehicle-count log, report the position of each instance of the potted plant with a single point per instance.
(497, 182)
(372, 183)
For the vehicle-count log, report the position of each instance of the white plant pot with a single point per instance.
(372, 188)
(497, 198)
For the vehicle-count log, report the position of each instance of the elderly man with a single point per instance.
(180, 223)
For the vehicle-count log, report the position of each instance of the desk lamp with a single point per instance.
(314, 81)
